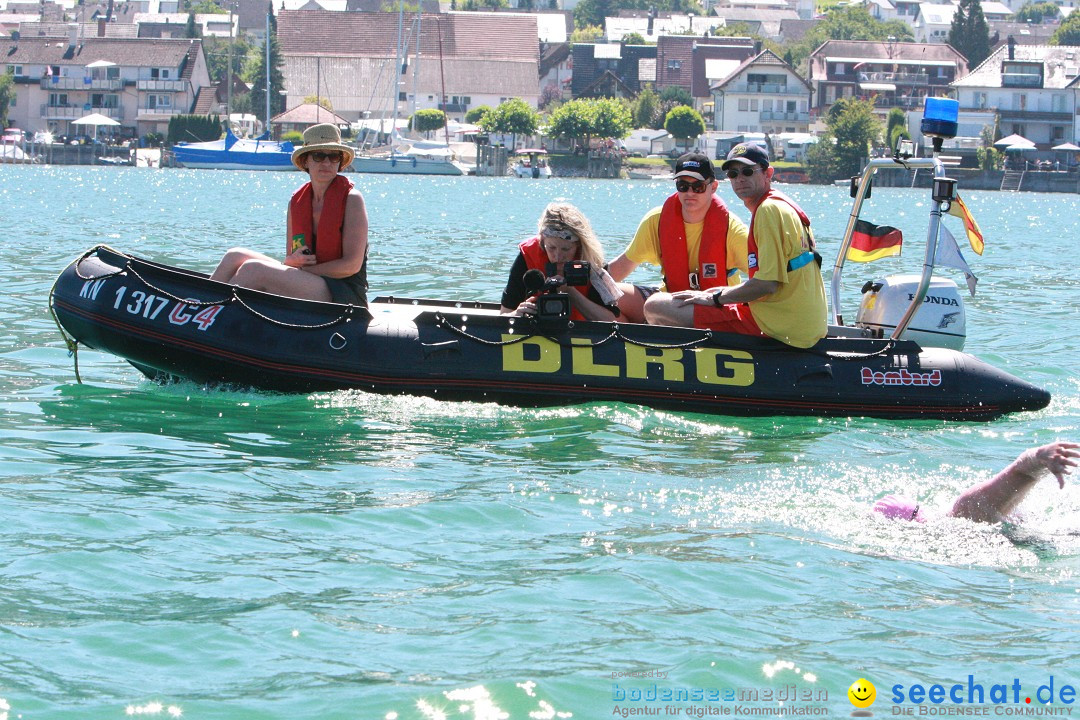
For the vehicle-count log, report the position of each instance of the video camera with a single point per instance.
(552, 306)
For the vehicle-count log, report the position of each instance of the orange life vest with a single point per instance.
(536, 259)
(326, 241)
(794, 263)
(712, 269)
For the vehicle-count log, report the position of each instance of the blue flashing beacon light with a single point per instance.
(940, 119)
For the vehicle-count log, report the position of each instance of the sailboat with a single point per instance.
(236, 153)
(409, 157)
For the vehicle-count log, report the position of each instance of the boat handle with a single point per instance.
(338, 341)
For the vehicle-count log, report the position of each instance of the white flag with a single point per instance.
(948, 254)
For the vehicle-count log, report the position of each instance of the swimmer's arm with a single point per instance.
(998, 497)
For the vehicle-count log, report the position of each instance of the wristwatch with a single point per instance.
(716, 298)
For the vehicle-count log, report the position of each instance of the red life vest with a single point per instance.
(751, 245)
(536, 259)
(326, 242)
(712, 255)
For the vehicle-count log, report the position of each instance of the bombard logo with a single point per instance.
(862, 694)
(900, 377)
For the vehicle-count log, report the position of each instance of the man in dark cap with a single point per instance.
(692, 237)
(784, 297)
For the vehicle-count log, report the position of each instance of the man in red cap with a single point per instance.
(784, 297)
(692, 237)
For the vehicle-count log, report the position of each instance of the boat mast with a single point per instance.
(396, 82)
(269, 8)
(416, 70)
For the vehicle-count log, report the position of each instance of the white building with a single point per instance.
(1031, 89)
(763, 94)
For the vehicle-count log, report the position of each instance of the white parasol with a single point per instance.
(1013, 142)
(95, 119)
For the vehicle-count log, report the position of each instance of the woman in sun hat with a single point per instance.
(327, 227)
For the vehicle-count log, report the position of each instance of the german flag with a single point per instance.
(872, 242)
(958, 209)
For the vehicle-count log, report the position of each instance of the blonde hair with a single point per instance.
(560, 217)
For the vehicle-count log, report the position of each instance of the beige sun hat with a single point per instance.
(325, 137)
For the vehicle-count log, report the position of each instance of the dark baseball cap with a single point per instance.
(747, 154)
(695, 165)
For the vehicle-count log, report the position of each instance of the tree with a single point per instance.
(610, 118)
(1036, 12)
(633, 39)
(852, 128)
(7, 92)
(896, 127)
(587, 34)
(572, 121)
(671, 98)
(550, 95)
(474, 116)
(646, 108)
(513, 117)
(684, 123)
(277, 79)
(217, 55)
(1068, 33)
(192, 29)
(846, 23)
(989, 157)
(969, 34)
(320, 100)
(426, 121)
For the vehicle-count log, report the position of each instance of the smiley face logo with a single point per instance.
(862, 693)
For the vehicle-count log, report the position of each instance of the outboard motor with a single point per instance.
(940, 322)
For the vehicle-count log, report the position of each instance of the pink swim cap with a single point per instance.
(901, 508)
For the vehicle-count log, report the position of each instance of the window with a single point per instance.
(674, 64)
(744, 104)
(1058, 103)
(104, 100)
(58, 100)
(979, 100)
(16, 70)
(159, 73)
(753, 105)
(791, 108)
(767, 105)
(1057, 133)
(1019, 101)
(159, 102)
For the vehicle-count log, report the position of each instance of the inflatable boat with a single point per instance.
(901, 358)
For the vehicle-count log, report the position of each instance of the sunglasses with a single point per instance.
(745, 172)
(323, 156)
(697, 186)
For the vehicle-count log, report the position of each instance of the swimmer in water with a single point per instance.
(993, 500)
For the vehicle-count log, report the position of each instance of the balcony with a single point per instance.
(157, 113)
(897, 78)
(768, 88)
(68, 83)
(161, 85)
(1033, 115)
(775, 115)
(1021, 80)
(74, 112)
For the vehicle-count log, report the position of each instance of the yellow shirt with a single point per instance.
(645, 247)
(796, 312)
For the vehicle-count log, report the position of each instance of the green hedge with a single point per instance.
(194, 128)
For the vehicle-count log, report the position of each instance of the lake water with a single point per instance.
(177, 551)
